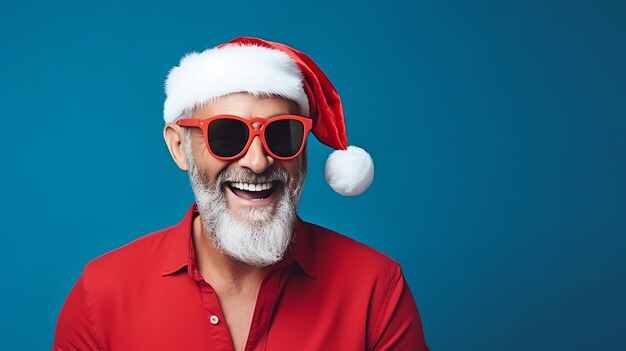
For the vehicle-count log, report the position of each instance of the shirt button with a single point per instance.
(214, 320)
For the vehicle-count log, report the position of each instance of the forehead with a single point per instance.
(247, 105)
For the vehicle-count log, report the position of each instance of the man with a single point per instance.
(241, 271)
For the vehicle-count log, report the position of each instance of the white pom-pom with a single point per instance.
(349, 172)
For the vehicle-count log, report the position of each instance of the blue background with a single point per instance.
(497, 130)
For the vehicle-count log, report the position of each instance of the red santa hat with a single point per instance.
(261, 67)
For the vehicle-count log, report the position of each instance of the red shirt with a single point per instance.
(329, 293)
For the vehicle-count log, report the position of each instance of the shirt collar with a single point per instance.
(180, 247)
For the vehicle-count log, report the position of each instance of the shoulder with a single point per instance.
(338, 254)
(369, 286)
(129, 263)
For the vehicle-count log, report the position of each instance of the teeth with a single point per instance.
(252, 187)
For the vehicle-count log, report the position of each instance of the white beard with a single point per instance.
(255, 236)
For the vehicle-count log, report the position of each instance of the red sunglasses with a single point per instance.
(229, 137)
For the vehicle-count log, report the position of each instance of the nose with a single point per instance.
(256, 159)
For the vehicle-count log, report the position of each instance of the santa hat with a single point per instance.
(261, 67)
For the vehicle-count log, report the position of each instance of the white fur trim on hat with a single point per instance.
(349, 172)
(201, 77)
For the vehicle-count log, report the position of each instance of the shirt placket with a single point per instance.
(266, 299)
(265, 303)
(214, 315)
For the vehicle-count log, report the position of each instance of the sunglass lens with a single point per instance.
(284, 137)
(227, 137)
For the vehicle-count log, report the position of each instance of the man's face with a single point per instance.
(252, 226)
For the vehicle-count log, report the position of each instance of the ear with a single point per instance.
(173, 135)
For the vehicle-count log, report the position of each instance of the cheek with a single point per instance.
(292, 167)
(209, 165)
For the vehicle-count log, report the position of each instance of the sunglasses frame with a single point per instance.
(203, 124)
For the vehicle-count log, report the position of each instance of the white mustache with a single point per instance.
(247, 176)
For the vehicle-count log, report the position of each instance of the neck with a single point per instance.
(221, 271)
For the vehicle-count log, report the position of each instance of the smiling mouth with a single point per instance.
(253, 191)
